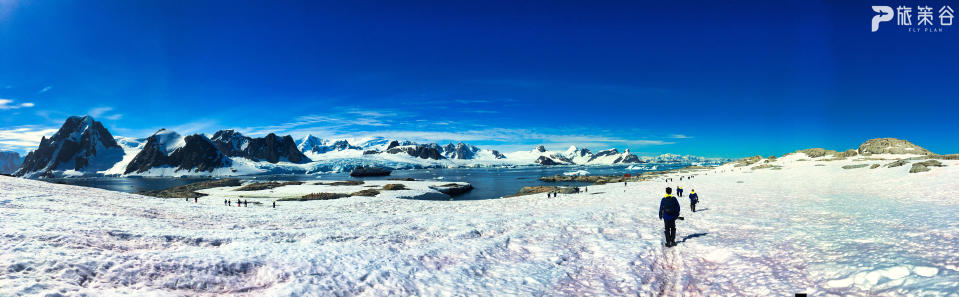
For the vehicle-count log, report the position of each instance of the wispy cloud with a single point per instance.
(348, 118)
(104, 111)
(6, 104)
(45, 89)
(98, 111)
(680, 136)
(23, 138)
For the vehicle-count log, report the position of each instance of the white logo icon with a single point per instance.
(885, 15)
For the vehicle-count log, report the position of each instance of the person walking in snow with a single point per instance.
(679, 191)
(196, 200)
(669, 212)
(693, 199)
(274, 203)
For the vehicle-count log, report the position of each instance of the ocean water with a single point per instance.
(488, 183)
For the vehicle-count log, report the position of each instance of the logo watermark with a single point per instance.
(927, 18)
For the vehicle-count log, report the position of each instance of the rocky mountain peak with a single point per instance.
(81, 144)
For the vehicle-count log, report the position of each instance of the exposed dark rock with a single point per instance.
(855, 166)
(271, 148)
(78, 142)
(453, 189)
(545, 189)
(366, 193)
(394, 187)
(924, 166)
(189, 191)
(422, 151)
(460, 151)
(196, 152)
(891, 146)
(897, 163)
(603, 153)
(267, 185)
(317, 196)
(748, 161)
(543, 160)
(346, 183)
(361, 171)
(497, 154)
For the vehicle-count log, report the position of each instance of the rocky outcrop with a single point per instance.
(924, 166)
(545, 189)
(166, 149)
(190, 190)
(748, 161)
(497, 154)
(817, 152)
(896, 163)
(9, 162)
(81, 144)
(891, 146)
(453, 189)
(271, 148)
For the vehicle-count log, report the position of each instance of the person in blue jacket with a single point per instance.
(693, 199)
(669, 212)
(679, 191)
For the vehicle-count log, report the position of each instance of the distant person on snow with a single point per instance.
(274, 203)
(238, 202)
(669, 212)
(693, 199)
(679, 190)
(196, 200)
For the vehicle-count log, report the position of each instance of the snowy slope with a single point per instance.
(809, 227)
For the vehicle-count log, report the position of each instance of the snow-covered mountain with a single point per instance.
(9, 162)
(81, 146)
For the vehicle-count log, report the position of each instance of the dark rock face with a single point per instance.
(270, 148)
(9, 162)
(629, 158)
(608, 152)
(453, 189)
(540, 148)
(422, 151)
(543, 160)
(197, 153)
(498, 155)
(361, 171)
(460, 151)
(78, 142)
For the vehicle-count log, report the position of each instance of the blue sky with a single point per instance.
(712, 79)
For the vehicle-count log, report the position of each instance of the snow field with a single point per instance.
(813, 229)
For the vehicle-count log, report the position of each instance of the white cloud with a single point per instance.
(680, 136)
(114, 117)
(23, 138)
(6, 104)
(97, 112)
(45, 89)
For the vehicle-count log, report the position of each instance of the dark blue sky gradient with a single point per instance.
(714, 79)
